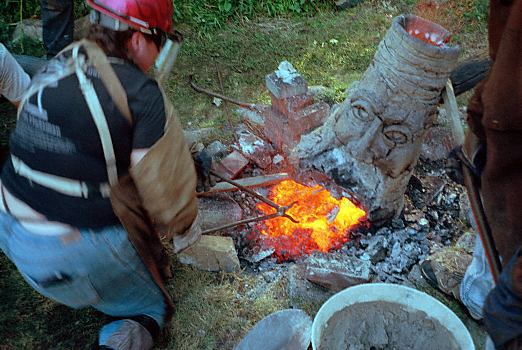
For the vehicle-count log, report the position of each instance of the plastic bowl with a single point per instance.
(408, 297)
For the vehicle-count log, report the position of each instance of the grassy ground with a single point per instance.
(215, 310)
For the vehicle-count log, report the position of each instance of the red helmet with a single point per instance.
(148, 16)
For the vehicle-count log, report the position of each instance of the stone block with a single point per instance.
(336, 272)
(232, 165)
(255, 117)
(218, 211)
(194, 136)
(300, 289)
(255, 148)
(282, 89)
(216, 150)
(211, 253)
(292, 104)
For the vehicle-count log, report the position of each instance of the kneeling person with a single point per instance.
(99, 173)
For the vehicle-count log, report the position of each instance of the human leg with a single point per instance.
(58, 24)
(477, 282)
(90, 268)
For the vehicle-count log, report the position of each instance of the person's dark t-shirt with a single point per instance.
(56, 134)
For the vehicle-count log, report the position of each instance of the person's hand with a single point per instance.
(203, 163)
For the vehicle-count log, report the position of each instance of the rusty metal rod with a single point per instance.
(197, 88)
(248, 190)
(241, 222)
(280, 210)
(472, 186)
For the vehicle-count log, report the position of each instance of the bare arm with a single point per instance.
(14, 81)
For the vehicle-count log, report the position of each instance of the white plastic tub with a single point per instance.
(408, 297)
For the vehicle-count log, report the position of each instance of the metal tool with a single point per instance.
(280, 210)
(472, 186)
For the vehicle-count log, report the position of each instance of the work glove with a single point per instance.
(203, 163)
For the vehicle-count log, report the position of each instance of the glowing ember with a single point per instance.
(427, 31)
(324, 222)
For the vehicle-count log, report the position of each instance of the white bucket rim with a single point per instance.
(394, 293)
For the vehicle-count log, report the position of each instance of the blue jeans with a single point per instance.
(477, 282)
(98, 268)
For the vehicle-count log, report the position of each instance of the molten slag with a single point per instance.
(324, 221)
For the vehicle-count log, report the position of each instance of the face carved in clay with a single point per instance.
(383, 135)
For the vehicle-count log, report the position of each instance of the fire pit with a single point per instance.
(324, 222)
(370, 145)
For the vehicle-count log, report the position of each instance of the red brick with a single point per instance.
(232, 165)
(287, 106)
(280, 133)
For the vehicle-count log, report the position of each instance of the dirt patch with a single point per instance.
(382, 325)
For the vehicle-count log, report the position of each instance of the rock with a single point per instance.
(277, 159)
(423, 222)
(81, 27)
(285, 329)
(31, 28)
(465, 212)
(335, 272)
(254, 148)
(376, 248)
(198, 135)
(211, 253)
(467, 241)
(415, 277)
(396, 251)
(257, 254)
(398, 223)
(414, 216)
(257, 118)
(300, 289)
(216, 150)
(218, 211)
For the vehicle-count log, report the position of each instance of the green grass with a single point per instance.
(215, 310)
(30, 321)
(330, 49)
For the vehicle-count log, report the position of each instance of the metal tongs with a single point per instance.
(280, 210)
